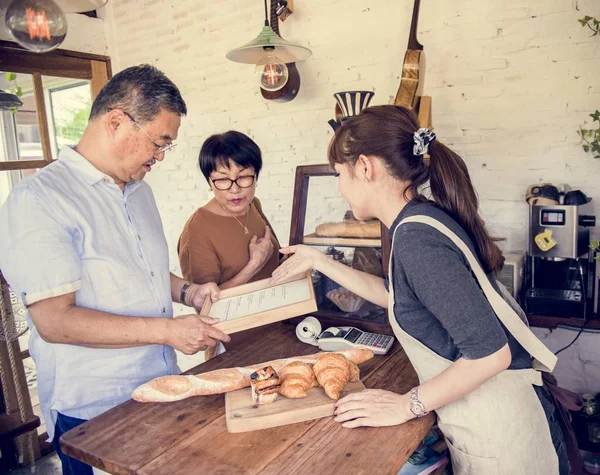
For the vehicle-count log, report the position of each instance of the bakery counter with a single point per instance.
(190, 436)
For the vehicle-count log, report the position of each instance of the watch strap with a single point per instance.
(416, 406)
(183, 292)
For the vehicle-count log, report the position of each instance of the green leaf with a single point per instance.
(595, 115)
(586, 148)
(594, 244)
(11, 76)
(19, 91)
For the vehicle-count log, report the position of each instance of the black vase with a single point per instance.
(349, 104)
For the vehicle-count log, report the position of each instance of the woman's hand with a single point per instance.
(196, 294)
(373, 408)
(302, 258)
(261, 250)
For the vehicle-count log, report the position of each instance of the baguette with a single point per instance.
(178, 387)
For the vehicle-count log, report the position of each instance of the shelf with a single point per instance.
(542, 321)
(11, 426)
(314, 240)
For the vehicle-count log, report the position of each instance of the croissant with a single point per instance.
(332, 372)
(297, 378)
(354, 371)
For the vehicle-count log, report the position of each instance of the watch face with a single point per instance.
(417, 408)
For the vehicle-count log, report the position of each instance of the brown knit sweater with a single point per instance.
(214, 248)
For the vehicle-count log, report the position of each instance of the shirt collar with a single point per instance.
(82, 167)
(76, 162)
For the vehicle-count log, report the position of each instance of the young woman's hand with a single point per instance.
(261, 250)
(373, 408)
(301, 258)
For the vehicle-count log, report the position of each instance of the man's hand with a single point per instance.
(196, 294)
(193, 333)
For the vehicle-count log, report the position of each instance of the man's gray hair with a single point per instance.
(141, 91)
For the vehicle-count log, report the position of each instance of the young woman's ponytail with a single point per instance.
(452, 190)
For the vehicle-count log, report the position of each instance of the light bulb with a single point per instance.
(38, 25)
(272, 73)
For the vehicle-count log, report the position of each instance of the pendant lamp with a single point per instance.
(255, 51)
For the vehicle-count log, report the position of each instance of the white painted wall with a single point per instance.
(511, 82)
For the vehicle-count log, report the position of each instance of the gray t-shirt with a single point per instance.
(437, 298)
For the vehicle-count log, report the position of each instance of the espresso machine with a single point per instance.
(560, 272)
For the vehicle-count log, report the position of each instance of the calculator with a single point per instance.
(345, 338)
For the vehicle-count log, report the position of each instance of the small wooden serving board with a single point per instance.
(242, 415)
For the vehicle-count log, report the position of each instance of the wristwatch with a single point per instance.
(416, 406)
(183, 292)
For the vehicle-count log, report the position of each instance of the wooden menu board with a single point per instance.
(259, 303)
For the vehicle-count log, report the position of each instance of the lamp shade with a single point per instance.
(9, 101)
(254, 51)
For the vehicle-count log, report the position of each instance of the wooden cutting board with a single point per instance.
(242, 415)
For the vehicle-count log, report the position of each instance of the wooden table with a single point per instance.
(190, 437)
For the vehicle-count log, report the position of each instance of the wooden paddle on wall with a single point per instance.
(290, 90)
(413, 69)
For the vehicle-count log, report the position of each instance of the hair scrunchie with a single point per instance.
(422, 137)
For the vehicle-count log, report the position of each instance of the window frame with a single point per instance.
(60, 63)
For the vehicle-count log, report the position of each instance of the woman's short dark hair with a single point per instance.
(141, 91)
(219, 149)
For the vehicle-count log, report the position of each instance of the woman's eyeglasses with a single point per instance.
(223, 184)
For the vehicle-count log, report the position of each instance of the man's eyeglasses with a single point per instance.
(244, 181)
(159, 148)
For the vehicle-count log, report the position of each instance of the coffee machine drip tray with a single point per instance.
(556, 294)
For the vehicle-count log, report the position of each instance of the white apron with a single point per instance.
(500, 428)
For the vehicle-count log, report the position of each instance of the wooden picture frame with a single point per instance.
(265, 317)
(299, 206)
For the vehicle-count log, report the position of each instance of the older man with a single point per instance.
(83, 245)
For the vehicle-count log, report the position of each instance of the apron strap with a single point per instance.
(544, 359)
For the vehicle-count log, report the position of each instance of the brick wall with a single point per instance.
(511, 82)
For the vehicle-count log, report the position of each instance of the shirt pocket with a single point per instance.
(467, 464)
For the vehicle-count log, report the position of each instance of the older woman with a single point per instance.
(229, 240)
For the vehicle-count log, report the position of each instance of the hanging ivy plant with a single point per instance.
(590, 137)
(14, 88)
(592, 23)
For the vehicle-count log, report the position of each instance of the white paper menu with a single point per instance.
(260, 300)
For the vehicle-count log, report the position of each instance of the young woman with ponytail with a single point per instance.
(474, 355)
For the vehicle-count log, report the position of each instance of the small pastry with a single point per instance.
(265, 385)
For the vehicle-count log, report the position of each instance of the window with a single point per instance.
(58, 90)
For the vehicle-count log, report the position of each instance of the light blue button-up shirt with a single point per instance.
(70, 228)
